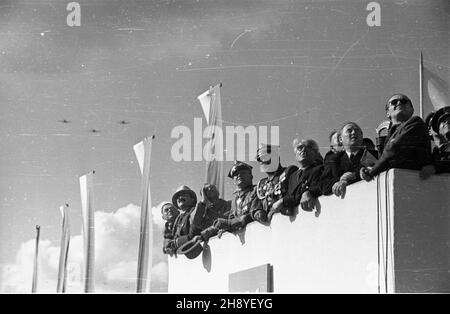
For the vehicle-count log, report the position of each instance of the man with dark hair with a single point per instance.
(273, 187)
(407, 144)
(303, 186)
(344, 168)
(246, 202)
(335, 145)
(440, 129)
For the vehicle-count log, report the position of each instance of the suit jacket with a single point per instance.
(301, 181)
(407, 146)
(339, 164)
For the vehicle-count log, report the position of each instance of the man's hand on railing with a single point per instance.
(307, 202)
(339, 188)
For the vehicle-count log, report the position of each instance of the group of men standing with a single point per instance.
(350, 159)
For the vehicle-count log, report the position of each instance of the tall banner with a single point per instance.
(87, 196)
(212, 108)
(64, 249)
(434, 90)
(143, 155)
(36, 259)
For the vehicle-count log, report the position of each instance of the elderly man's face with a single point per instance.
(169, 212)
(444, 127)
(334, 143)
(399, 108)
(243, 178)
(352, 136)
(185, 201)
(304, 154)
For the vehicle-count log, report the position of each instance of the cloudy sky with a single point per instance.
(305, 66)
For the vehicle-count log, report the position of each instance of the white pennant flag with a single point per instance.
(205, 102)
(212, 108)
(143, 155)
(87, 195)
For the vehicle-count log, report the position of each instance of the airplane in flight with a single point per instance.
(123, 122)
(64, 121)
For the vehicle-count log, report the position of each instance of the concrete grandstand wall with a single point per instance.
(389, 235)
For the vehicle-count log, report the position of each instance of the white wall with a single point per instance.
(345, 248)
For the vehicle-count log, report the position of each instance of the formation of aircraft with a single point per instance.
(122, 122)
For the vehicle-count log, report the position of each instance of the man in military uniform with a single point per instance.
(184, 200)
(440, 128)
(169, 213)
(246, 202)
(273, 187)
(207, 211)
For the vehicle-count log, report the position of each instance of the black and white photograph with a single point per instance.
(224, 152)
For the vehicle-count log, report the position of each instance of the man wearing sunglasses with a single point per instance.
(273, 187)
(440, 127)
(407, 144)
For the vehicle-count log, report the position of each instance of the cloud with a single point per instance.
(116, 251)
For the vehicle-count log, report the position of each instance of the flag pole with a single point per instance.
(421, 85)
(86, 187)
(64, 250)
(143, 280)
(35, 267)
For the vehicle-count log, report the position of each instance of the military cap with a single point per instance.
(238, 165)
(183, 189)
(438, 117)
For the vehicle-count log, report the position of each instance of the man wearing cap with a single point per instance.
(169, 213)
(440, 127)
(303, 186)
(207, 211)
(184, 200)
(407, 144)
(273, 187)
(246, 201)
(344, 167)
